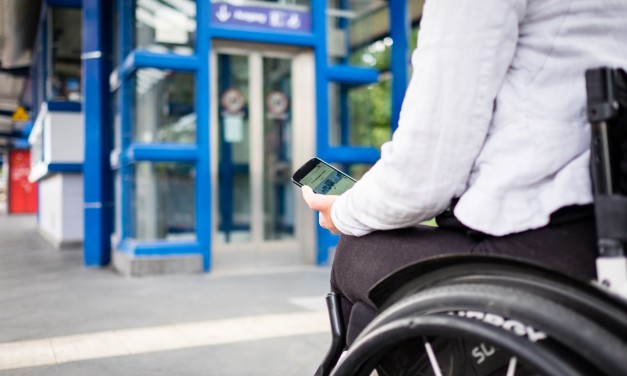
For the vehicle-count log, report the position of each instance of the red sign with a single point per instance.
(22, 193)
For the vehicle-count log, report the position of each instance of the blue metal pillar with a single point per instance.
(399, 31)
(98, 185)
(343, 108)
(318, 12)
(203, 163)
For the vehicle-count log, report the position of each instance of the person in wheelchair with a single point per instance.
(492, 141)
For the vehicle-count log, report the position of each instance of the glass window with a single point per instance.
(374, 55)
(127, 201)
(117, 120)
(64, 81)
(234, 175)
(360, 115)
(164, 201)
(117, 208)
(165, 25)
(352, 26)
(278, 208)
(164, 106)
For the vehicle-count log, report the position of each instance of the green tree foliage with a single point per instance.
(370, 105)
(370, 110)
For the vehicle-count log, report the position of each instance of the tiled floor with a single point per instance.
(60, 318)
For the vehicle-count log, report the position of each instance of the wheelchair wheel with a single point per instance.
(583, 297)
(480, 329)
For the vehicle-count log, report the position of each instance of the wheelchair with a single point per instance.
(488, 315)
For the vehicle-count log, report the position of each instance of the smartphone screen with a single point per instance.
(323, 178)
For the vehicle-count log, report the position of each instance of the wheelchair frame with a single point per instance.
(607, 103)
(401, 296)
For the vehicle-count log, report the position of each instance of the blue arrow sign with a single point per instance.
(260, 17)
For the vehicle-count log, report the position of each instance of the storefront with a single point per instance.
(57, 139)
(196, 113)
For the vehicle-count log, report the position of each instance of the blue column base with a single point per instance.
(97, 244)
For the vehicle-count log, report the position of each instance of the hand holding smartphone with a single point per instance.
(322, 178)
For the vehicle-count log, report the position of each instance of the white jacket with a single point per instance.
(494, 114)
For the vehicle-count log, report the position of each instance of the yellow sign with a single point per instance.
(20, 115)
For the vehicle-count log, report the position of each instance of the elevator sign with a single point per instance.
(260, 17)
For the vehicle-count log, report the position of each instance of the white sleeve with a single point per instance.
(465, 50)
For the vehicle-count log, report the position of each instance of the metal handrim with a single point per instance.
(366, 353)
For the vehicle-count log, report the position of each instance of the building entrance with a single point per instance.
(262, 129)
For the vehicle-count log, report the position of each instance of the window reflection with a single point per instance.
(360, 115)
(353, 25)
(117, 120)
(164, 106)
(117, 208)
(374, 55)
(277, 131)
(164, 201)
(165, 25)
(234, 175)
(64, 81)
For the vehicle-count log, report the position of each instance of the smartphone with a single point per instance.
(322, 178)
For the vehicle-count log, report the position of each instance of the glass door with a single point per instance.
(258, 218)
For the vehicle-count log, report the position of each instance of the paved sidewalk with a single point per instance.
(59, 318)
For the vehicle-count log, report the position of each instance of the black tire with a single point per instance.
(586, 298)
(570, 337)
(370, 351)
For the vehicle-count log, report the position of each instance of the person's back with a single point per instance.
(535, 159)
(494, 124)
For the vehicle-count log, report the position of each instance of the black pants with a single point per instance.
(567, 243)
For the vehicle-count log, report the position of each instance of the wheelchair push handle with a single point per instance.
(603, 86)
(607, 103)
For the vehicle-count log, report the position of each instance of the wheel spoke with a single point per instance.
(511, 370)
(432, 359)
